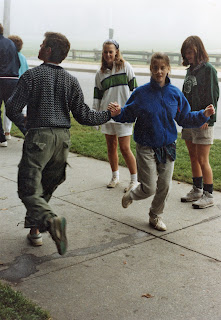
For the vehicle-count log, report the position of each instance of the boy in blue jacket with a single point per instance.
(154, 107)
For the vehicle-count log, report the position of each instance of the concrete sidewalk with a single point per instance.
(114, 257)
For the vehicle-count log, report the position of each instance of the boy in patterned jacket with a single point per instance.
(50, 94)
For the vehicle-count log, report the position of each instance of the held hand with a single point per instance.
(114, 108)
(209, 111)
(204, 126)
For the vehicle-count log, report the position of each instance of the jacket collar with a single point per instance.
(154, 84)
(195, 69)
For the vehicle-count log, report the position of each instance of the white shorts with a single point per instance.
(118, 129)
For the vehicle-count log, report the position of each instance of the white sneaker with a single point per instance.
(35, 239)
(8, 136)
(157, 223)
(193, 195)
(113, 183)
(126, 200)
(204, 202)
(3, 144)
(131, 186)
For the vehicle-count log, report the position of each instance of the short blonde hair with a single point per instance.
(17, 41)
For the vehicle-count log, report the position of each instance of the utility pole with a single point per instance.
(111, 30)
(6, 18)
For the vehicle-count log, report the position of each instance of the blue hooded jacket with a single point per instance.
(154, 109)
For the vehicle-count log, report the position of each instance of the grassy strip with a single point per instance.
(89, 142)
(14, 306)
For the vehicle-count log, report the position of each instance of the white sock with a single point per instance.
(133, 177)
(115, 174)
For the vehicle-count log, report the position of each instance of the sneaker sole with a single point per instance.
(125, 206)
(197, 206)
(157, 227)
(111, 187)
(187, 200)
(61, 243)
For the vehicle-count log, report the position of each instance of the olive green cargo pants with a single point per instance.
(41, 169)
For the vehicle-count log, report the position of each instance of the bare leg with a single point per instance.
(34, 231)
(203, 159)
(195, 165)
(112, 144)
(128, 155)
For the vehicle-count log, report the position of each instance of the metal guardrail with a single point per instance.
(137, 56)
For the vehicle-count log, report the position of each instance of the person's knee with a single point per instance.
(51, 179)
(149, 190)
(125, 150)
(29, 181)
(204, 164)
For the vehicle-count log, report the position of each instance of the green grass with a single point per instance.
(89, 142)
(14, 306)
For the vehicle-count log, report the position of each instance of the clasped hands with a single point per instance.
(114, 108)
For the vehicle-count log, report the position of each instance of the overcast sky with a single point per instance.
(138, 25)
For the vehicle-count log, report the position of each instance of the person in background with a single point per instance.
(50, 94)
(23, 61)
(9, 66)
(154, 107)
(115, 81)
(201, 88)
(23, 67)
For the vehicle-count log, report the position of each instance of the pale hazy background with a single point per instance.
(138, 25)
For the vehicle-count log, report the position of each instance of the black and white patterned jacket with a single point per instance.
(50, 94)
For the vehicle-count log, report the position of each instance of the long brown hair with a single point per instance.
(119, 61)
(196, 44)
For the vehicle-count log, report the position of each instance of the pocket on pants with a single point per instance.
(28, 181)
(66, 144)
(35, 146)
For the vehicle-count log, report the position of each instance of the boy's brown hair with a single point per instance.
(59, 45)
(196, 44)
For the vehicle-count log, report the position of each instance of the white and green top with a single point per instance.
(113, 86)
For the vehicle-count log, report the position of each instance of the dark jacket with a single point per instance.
(201, 88)
(9, 60)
